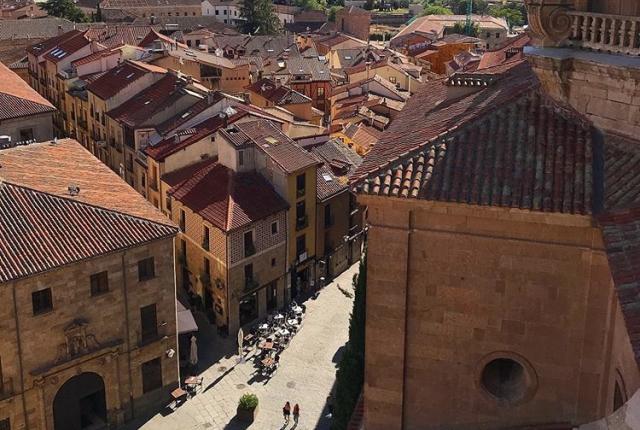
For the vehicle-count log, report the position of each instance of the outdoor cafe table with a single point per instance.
(268, 362)
(292, 322)
(278, 317)
(297, 309)
(284, 332)
(266, 345)
(263, 327)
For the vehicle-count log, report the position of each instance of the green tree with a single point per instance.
(64, 9)
(311, 4)
(332, 13)
(461, 28)
(459, 7)
(350, 375)
(436, 10)
(511, 12)
(260, 17)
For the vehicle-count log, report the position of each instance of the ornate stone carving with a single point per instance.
(548, 20)
(77, 341)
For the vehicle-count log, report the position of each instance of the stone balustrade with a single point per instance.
(606, 33)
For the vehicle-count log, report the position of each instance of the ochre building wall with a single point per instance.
(451, 287)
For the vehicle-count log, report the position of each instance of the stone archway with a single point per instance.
(80, 404)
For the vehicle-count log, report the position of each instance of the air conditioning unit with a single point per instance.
(302, 257)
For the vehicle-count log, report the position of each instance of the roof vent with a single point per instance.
(74, 190)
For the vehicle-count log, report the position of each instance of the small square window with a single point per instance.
(99, 283)
(42, 301)
(151, 375)
(5, 424)
(274, 227)
(146, 269)
(273, 262)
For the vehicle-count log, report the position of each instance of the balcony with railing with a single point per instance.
(605, 33)
(570, 23)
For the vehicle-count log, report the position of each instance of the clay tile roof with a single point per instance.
(277, 94)
(17, 98)
(169, 146)
(273, 142)
(506, 144)
(43, 227)
(118, 78)
(67, 47)
(140, 107)
(513, 51)
(45, 46)
(227, 199)
(328, 184)
(621, 233)
(621, 172)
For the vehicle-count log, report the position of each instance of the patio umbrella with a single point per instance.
(193, 353)
(240, 343)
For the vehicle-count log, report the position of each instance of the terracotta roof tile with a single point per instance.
(41, 231)
(621, 233)
(267, 137)
(17, 98)
(67, 47)
(52, 168)
(277, 94)
(328, 184)
(505, 144)
(170, 145)
(227, 199)
(116, 79)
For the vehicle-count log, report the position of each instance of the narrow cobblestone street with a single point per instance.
(306, 374)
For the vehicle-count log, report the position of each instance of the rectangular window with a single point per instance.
(148, 323)
(240, 158)
(5, 424)
(217, 12)
(99, 283)
(225, 12)
(301, 215)
(320, 91)
(183, 220)
(205, 238)
(42, 301)
(206, 266)
(497, 35)
(249, 246)
(328, 219)
(272, 297)
(300, 185)
(301, 245)
(274, 227)
(151, 375)
(183, 250)
(392, 79)
(146, 269)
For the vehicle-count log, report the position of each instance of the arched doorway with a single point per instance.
(80, 404)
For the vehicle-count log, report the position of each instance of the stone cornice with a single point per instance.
(549, 21)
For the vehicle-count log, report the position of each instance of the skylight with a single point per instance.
(327, 177)
(272, 140)
(147, 102)
(130, 75)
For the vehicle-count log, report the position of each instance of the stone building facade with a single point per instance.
(501, 270)
(89, 310)
(354, 21)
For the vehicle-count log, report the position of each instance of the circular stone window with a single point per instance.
(507, 380)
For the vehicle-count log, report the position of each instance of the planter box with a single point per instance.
(247, 415)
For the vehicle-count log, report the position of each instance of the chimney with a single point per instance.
(210, 97)
(60, 30)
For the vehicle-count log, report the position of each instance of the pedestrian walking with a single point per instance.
(296, 413)
(286, 412)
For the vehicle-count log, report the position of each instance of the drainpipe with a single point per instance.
(406, 321)
(126, 316)
(15, 316)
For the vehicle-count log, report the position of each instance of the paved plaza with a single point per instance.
(306, 374)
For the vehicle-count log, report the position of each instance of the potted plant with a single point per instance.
(247, 407)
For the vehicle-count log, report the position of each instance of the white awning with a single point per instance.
(186, 322)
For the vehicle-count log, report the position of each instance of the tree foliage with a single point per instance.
(311, 4)
(260, 17)
(436, 10)
(350, 375)
(64, 9)
(332, 13)
(514, 14)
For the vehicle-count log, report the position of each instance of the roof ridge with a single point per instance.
(91, 205)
